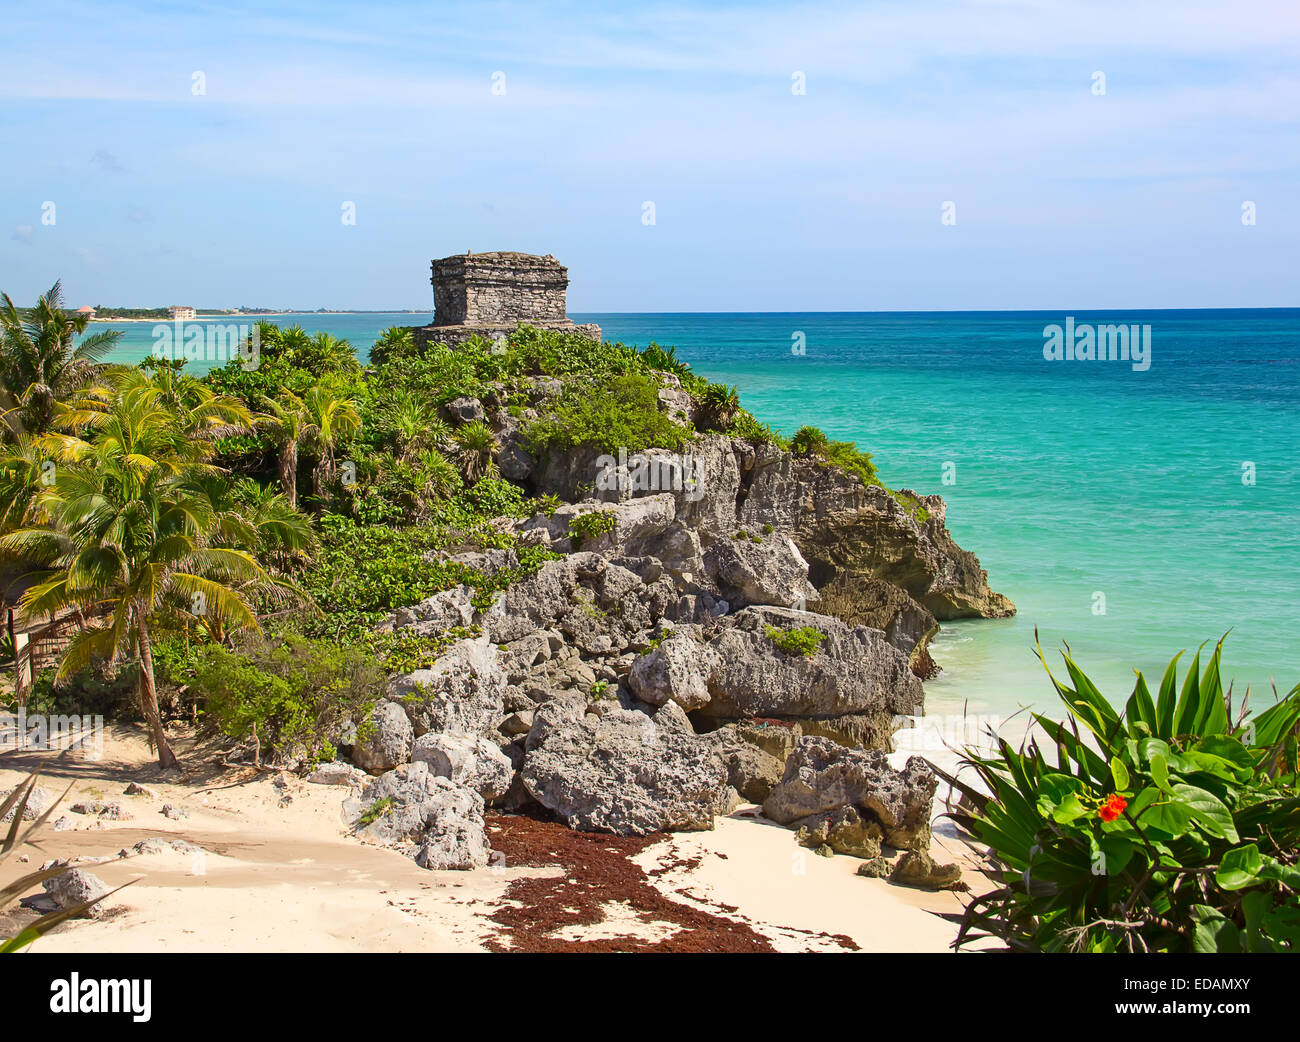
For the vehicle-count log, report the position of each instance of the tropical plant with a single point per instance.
(1173, 825)
(798, 640)
(40, 365)
(477, 445)
(394, 342)
(719, 404)
(332, 418)
(285, 421)
(132, 532)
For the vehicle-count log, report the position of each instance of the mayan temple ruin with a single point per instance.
(493, 294)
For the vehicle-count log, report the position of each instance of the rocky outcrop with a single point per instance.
(77, 887)
(386, 740)
(619, 772)
(466, 759)
(853, 671)
(429, 818)
(823, 781)
(463, 691)
(679, 669)
(749, 570)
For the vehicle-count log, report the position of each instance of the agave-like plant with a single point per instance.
(477, 445)
(1172, 825)
(16, 801)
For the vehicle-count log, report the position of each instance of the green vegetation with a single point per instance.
(809, 441)
(224, 546)
(1173, 826)
(591, 525)
(800, 640)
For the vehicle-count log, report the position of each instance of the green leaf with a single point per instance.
(1239, 867)
(1207, 810)
(1119, 772)
(1215, 932)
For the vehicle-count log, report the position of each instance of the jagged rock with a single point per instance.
(917, 868)
(387, 740)
(671, 717)
(854, 670)
(431, 819)
(594, 604)
(174, 812)
(466, 759)
(621, 773)
(463, 691)
(853, 730)
(822, 777)
(517, 723)
(76, 886)
(112, 811)
(768, 572)
(751, 771)
(337, 773)
(434, 615)
(465, 409)
(875, 868)
(38, 802)
(844, 830)
(677, 670)
(845, 527)
(136, 789)
(881, 605)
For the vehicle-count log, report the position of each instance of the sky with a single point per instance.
(975, 155)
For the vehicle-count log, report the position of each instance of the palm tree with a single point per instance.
(25, 466)
(285, 421)
(39, 363)
(332, 418)
(413, 425)
(393, 343)
(477, 445)
(132, 533)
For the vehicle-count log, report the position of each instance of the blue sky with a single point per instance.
(764, 199)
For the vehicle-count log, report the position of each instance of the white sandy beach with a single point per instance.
(278, 872)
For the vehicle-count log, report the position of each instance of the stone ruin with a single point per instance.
(493, 294)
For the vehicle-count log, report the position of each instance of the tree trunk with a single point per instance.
(149, 696)
(289, 472)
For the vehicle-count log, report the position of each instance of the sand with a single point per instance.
(278, 871)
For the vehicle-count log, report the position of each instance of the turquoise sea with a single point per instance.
(1072, 480)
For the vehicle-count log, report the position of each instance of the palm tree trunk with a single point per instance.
(289, 473)
(149, 696)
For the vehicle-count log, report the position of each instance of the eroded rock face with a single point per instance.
(387, 742)
(463, 691)
(853, 671)
(619, 772)
(678, 670)
(771, 571)
(594, 604)
(822, 778)
(429, 818)
(466, 759)
(845, 527)
(434, 615)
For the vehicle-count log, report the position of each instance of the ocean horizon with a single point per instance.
(1131, 513)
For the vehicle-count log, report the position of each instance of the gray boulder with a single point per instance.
(854, 670)
(768, 572)
(75, 887)
(38, 802)
(463, 691)
(619, 772)
(822, 778)
(387, 740)
(432, 819)
(435, 615)
(677, 670)
(468, 760)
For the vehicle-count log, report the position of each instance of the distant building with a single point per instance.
(181, 314)
(86, 310)
(492, 294)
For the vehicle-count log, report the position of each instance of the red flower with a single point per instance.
(1111, 808)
